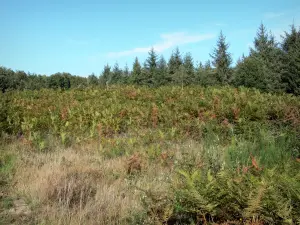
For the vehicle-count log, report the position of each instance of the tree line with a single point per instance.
(270, 66)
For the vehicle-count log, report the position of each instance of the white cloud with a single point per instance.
(272, 15)
(168, 41)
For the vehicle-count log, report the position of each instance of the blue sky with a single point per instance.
(80, 37)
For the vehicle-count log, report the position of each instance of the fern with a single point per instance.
(255, 201)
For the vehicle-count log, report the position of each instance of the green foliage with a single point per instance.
(3, 79)
(262, 68)
(116, 76)
(238, 197)
(243, 163)
(264, 42)
(60, 80)
(7, 163)
(10, 80)
(93, 80)
(162, 77)
(150, 69)
(4, 104)
(192, 112)
(175, 62)
(205, 75)
(126, 75)
(291, 61)
(222, 61)
(252, 72)
(105, 77)
(189, 69)
(260, 183)
(136, 72)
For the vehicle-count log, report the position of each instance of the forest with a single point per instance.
(270, 66)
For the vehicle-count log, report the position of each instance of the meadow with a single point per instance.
(167, 155)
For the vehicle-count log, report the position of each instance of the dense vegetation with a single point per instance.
(167, 155)
(270, 66)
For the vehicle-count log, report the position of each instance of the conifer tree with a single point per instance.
(175, 61)
(116, 75)
(125, 75)
(205, 74)
(180, 76)
(291, 61)
(251, 72)
(162, 77)
(105, 78)
(264, 44)
(150, 67)
(136, 72)
(189, 68)
(151, 61)
(269, 56)
(222, 60)
(199, 73)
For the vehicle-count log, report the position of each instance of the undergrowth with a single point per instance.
(151, 156)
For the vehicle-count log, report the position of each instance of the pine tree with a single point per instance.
(205, 75)
(151, 61)
(189, 68)
(171, 65)
(265, 46)
(162, 77)
(251, 72)
(178, 58)
(266, 51)
(116, 75)
(175, 61)
(263, 41)
(150, 67)
(105, 78)
(222, 60)
(136, 72)
(291, 40)
(180, 76)
(125, 75)
(290, 73)
(199, 73)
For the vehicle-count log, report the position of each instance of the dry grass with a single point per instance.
(78, 186)
(72, 187)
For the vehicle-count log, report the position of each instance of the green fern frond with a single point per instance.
(255, 202)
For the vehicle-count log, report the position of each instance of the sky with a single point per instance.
(80, 37)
